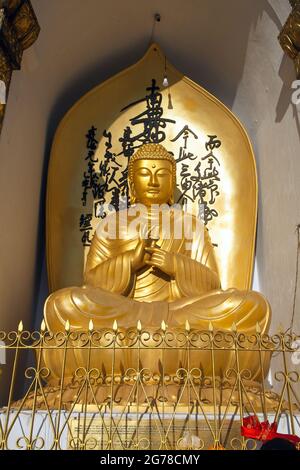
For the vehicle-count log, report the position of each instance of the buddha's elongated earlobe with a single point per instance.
(171, 200)
(132, 194)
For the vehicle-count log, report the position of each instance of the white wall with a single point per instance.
(263, 102)
(228, 47)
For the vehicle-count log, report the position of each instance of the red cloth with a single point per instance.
(264, 431)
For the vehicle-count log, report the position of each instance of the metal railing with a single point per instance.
(145, 389)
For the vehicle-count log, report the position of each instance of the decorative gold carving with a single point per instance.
(18, 30)
(289, 37)
(26, 25)
(5, 76)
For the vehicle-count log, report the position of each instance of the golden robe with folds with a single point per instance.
(111, 291)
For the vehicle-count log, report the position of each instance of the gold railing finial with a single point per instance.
(20, 327)
(43, 326)
(187, 326)
(233, 327)
(91, 325)
(115, 326)
(139, 326)
(163, 326)
(67, 326)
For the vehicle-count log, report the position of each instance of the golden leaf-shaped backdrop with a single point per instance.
(215, 165)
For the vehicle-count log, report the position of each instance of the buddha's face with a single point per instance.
(152, 181)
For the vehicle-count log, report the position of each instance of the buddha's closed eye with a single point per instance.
(147, 172)
(163, 172)
(143, 172)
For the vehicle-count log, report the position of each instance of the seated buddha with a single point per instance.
(136, 273)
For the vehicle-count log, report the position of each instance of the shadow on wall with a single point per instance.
(212, 55)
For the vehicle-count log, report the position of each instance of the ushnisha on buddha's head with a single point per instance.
(152, 175)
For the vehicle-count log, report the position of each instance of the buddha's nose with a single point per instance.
(153, 181)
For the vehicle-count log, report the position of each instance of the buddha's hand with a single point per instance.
(161, 259)
(138, 255)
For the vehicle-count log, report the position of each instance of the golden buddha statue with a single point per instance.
(134, 274)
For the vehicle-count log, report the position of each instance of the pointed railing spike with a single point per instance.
(43, 326)
(139, 326)
(280, 328)
(67, 326)
(233, 327)
(20, 327)
(115, 326)
(163, 326)
(91, 325)
(187, 325)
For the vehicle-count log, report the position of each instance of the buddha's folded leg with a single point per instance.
(223, 308)
(79, 305)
